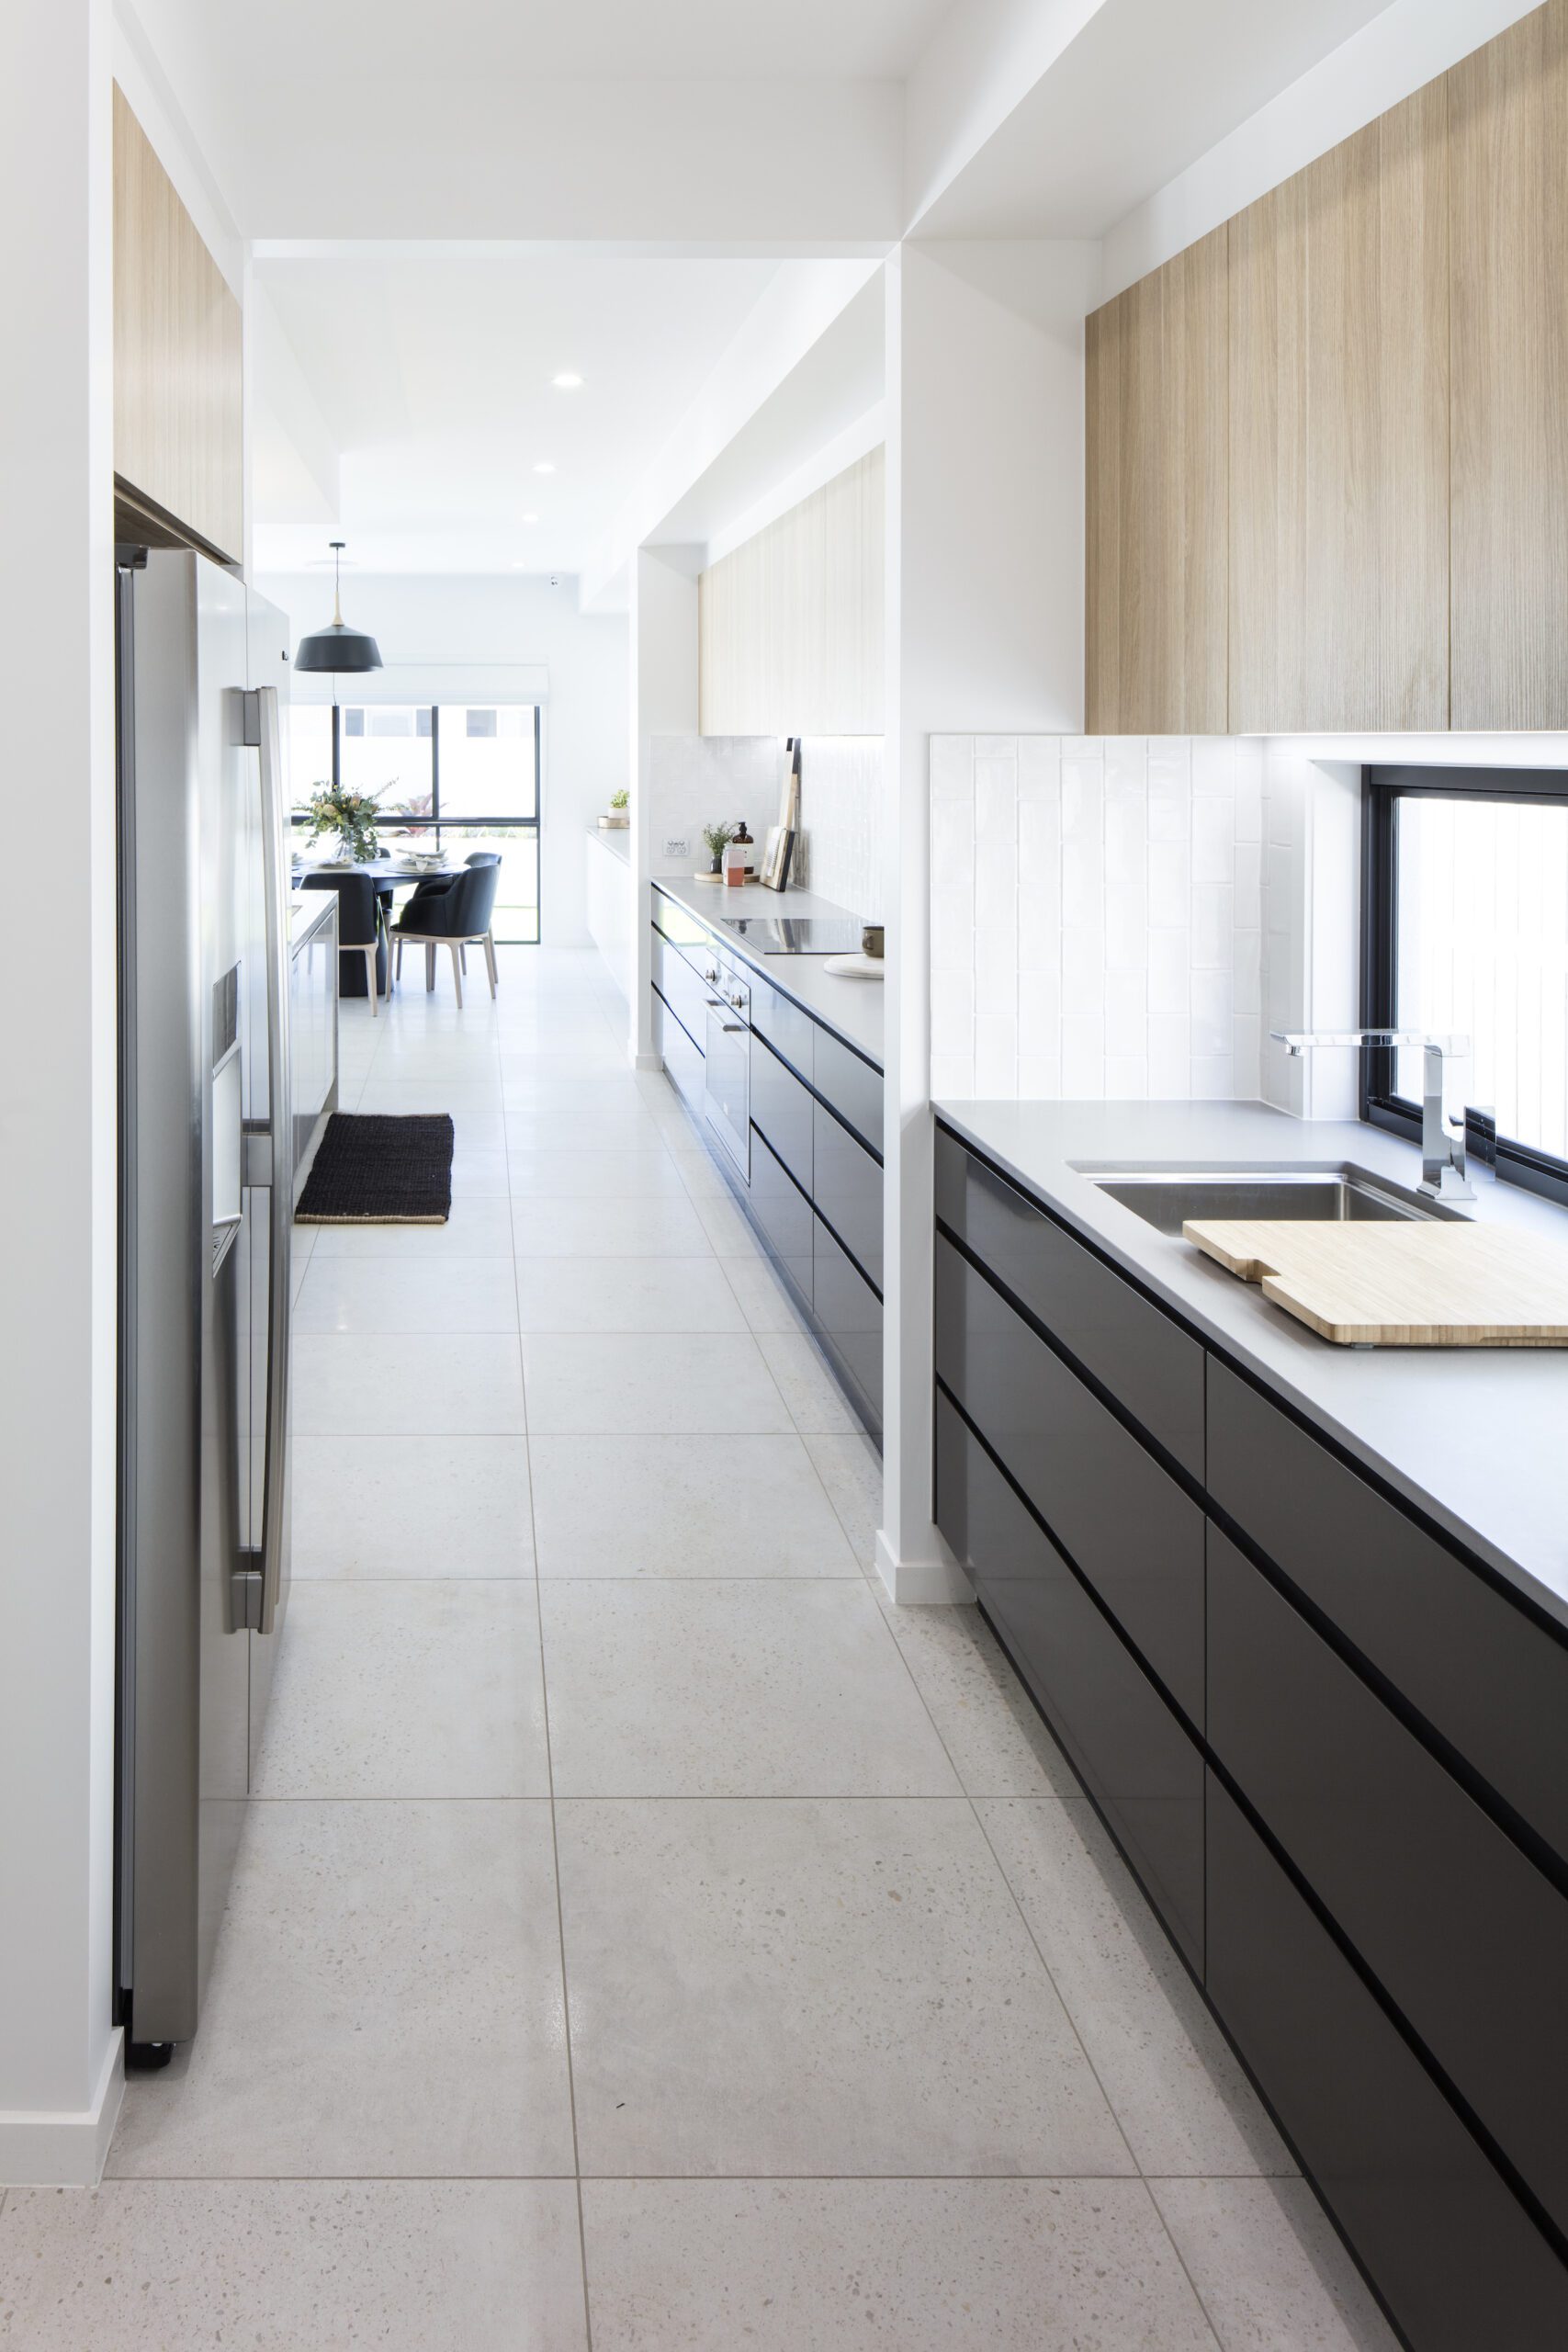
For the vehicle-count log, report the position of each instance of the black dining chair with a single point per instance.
(361, 929)
(453, 914)
(478, 857)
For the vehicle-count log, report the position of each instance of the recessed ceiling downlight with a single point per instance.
(544, 467)
(567, 381)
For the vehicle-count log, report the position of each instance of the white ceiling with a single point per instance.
(434, 379)
(1143, 89)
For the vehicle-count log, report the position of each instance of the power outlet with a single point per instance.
(678, 846)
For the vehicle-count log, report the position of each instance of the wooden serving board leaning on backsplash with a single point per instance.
(1434, 1286)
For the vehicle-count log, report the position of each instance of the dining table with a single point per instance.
(389, 874)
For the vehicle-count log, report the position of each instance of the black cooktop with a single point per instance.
(796, 934)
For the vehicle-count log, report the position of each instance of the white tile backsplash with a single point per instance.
(1096, 916)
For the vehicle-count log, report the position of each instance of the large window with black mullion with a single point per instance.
(1466, 932)
(449, 778)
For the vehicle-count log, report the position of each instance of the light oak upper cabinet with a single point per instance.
(1340, 437)
(790, 625)
(177, 397)
(1508, 133)
(1157, 365)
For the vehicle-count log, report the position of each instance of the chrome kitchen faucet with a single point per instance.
(1442, 1129)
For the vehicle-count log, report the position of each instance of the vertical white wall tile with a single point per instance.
(1248, 886)
(1126, 1077)
(1083, 1057)
(996, 1054)
(1170, 1057)
(1040, 767)
(1213, 1004)
(952, 767)
(1213, 838)
(1213, 924)
(1246, 1042)
(1170, 884)
(1126, 927)
(1127, 1012)
(1248, 792)
(1083, 968)
(1213, 766)
(1170, 789)
(1039, 1077)
(1170, 969)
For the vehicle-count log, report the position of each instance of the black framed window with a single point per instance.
(453, 778)
(1466, 929)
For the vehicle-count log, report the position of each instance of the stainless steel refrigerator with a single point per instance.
(206, 1168)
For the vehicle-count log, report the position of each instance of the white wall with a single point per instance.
(491, 618)
(58, 2048)
(697, 780)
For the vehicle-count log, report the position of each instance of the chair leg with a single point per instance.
(429, 969)
(489, 959)
(463, 952)
(400, 959)
(458, 973)
(371, 989)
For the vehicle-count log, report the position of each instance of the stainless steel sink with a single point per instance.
(1167, 1197)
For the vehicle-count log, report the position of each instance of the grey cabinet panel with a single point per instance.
(1486, 1674)
(681, 989)
(681, 1057)
(1123, 1740)
(848, 1322)
(1466, 1937)
(1145, 1359)
(852, 1086)
(1121, 1517)
(791, 1033)
(782, 1216)
(1454, 2252)
(847, 1188)
(782, 1109)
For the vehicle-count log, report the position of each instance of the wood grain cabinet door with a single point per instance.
(1340, 437)
(1508, 142)
(1156, 420)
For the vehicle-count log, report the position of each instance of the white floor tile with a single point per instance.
(617, 1294)
(912, 2266)
(643, 1386)
(992, 1728)
(617, 1506)
(602, 1229)
(280, 2266)
(407, 1690)
(851, 1469)
(816, 1403)
(476, 1229)
(442, 1386)
(792, 1987)
(386, 2000)
(776, 1687)
(379, 1294)
(1271, 2270)
(642, 1172)
(410, 1507)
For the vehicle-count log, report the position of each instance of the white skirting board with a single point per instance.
(65, 2149)
(922, 1583)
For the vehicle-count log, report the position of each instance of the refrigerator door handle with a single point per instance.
(270, 1162)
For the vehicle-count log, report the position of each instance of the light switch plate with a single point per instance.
(678, 846)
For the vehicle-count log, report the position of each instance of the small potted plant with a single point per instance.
(350, 815)
(718, 838)
(619, 803)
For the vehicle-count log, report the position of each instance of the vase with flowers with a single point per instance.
(352, 815)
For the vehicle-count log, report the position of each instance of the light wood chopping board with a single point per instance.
(1456, 1285)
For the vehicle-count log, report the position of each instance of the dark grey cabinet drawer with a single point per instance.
(852, 1086)
(782, 1216)
(847, 1189)
(1455, 2255)
(1466, 1937)
(682, 991)
(782, 1109)
(848, 1322)
(679, 1056)
(1122, 1739)
(791, 1033)
(1146, 1360)
(1484, 1673)
(1120, 1518)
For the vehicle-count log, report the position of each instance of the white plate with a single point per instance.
(856, 967)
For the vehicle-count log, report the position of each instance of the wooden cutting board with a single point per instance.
(1433, 1285)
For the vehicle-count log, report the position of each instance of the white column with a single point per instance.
(985, 636)
(664, 654)
(59, 2050)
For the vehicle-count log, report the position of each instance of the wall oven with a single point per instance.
(727, 1086)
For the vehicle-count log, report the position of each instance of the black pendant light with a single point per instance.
(338, 648)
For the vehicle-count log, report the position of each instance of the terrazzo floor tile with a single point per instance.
(849, 2266)
(360, 1295)
(602, 1229)
(650, 1385)
(407, 1690)
(991, 1727)
(792, 1987)
(785, 1688)
(275, 2266)
(683, 1507)
(386, 2000)
(1179, 2095)
(851, 1468)
(349, 1383)
(1273, 2276)
(620, 1293)
(419, 1506)
(816, 1403)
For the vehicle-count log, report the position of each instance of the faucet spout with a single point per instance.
(1443, 1173)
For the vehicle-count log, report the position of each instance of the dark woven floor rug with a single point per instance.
(376, 1171)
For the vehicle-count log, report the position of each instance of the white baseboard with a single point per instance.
(648, 1061)
(64, 2149)
(922, 1583)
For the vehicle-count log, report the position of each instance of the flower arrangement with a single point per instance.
(351, 815)
(718, 838)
